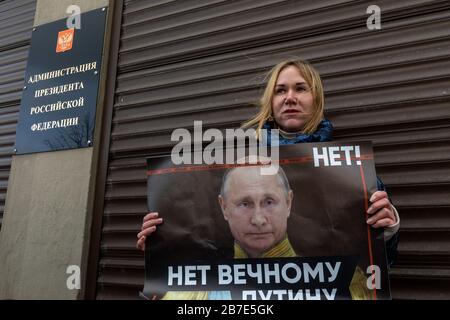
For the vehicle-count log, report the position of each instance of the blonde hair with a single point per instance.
(313, 80)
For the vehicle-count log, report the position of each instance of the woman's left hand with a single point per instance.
(381, 213)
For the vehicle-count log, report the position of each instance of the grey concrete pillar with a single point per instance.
(48, 211)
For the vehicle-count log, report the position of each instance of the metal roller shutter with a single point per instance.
(189, 60)
(16, 22)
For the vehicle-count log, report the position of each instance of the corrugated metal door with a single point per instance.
(16, 23)
(189, 60)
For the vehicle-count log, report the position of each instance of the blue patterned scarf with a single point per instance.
(323, 133)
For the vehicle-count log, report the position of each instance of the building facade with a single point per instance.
(167, 63)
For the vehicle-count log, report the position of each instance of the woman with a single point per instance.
(293, 102)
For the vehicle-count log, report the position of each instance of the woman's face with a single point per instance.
(292, 102)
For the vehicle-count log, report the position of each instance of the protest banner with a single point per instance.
(230, 232)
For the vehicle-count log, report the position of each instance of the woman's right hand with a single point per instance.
(149, 224)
